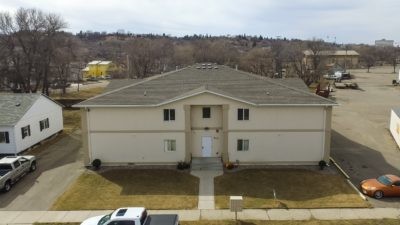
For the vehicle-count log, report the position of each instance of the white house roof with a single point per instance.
(99, 62)
(218, 80)
(13, 106)
(333, 53)
(94, 62)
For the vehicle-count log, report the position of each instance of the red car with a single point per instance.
(385, 185)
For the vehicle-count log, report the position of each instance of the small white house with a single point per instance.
(27, 119)
(395, 125)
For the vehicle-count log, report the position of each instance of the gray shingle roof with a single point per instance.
(14, 106)
(225, 81)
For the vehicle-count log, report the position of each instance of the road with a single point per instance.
(58, 166)
(361, 141)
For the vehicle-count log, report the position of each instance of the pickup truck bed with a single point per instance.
(165, 219)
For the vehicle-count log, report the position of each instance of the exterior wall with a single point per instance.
(8, 148)
(395, 127)
(278, 135)
(138, 148)
(277, 147)
(217, 141)
(98, 70)
(43, 108)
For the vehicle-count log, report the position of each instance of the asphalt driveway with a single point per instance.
(361, 141)
(58, 165)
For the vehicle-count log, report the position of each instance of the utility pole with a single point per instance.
(127, 66)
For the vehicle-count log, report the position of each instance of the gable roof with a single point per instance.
(223, 81)
(14, 106)
(333, 53)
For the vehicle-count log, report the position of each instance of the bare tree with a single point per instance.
(368, 56)
(27, 41)
(258, 61)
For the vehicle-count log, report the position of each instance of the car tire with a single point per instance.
(7, 186)
(378, 194)
(33, 166)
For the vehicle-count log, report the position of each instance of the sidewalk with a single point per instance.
(30, 217)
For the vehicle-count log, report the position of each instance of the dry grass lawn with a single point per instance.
(266, 222)
(82, 94)
(153, 189)
(72, 120)
(294, 189)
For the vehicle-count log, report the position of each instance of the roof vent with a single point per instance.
(267, 93)
(18, 104)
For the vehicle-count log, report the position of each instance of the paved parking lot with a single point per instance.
(361, 141)
(58, 166)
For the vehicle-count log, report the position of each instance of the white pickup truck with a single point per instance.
(13, 168)
(132, 216)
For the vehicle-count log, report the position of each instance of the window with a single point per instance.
(243, 114)
(169, 114)
(44, 124)
(169, 145)
(242, 145)
(26, 131)
(206, 112)
(4, 137)
(16, 164)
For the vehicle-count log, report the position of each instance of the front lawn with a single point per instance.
(274, 222)
(153, 189)
(293, 188)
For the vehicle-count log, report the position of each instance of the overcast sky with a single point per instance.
(350, 21)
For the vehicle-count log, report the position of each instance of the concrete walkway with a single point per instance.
(30, 217)
(206, 187)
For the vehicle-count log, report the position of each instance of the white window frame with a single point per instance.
(245, 147)
(243, 114)
(44, 124)
(169, 114)
(5, 137)
(169, 145)
(26, 131)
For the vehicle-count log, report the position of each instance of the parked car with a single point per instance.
(132, 216)
(385, 185)
(13, 168)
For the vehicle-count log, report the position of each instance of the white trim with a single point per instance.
(194, 94)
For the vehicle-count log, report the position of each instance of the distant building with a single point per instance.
(98, 69)
(384, 43)
(345, 58)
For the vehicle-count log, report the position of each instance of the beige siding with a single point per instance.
(199, 122)
(277, 147)
(216, 142)
(143, 148)
(278, 135)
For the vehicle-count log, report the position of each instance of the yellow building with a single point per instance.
(98, 69)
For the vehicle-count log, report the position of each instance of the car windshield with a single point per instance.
(5, 167)
(384, 180)
(104, 219)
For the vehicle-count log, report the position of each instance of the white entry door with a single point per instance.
(206, 146)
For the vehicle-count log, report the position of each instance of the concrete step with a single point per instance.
(209, 163)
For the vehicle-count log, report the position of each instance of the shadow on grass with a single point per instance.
(152, 181)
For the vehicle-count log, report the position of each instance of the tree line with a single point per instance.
(35, 53)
